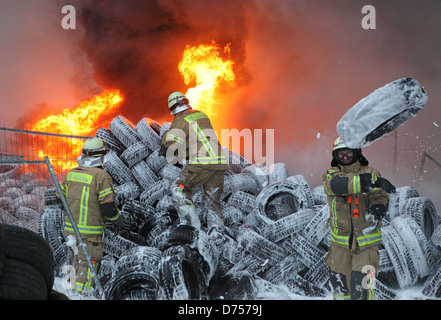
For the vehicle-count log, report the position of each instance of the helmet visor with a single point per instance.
(345, 154)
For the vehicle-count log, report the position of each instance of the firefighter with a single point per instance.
(358, 199)
(191, 138)
(91, 198)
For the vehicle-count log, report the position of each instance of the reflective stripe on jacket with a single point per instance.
(191, 132)
(349, 205)
(85, 190)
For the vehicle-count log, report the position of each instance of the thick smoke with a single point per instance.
(300, 65)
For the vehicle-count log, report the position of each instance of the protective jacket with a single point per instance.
(91, 198)
(349, 205)
(192, 136)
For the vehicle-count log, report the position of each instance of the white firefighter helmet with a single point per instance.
(93, 147)
(339, 144)
(178, 102)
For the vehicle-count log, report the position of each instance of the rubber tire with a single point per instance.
(110, 141)
(180, 274)
(317, 228)
(243, 201)
(397, 201)
(135, 153)
(287, 226)
(240, 286)
(129, 280)
(177, 235)
(2, 248)
(144, 175)
(261, 247)
(259, 173)
(28, 247)
(20, 281)
(424, 212)
(276, 190)
(125, 131)
(416, 243)
(149, 130)
(399, 254)
(117, 169)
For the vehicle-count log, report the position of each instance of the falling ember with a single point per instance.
(203, 66)
(81, 120)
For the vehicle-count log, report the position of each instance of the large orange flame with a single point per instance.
(81, 120)
(204, 67)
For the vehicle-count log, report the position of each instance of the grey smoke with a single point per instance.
(300, 65)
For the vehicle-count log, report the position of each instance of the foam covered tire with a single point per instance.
(129, 280)
(180, 274)
(117, 168)
(242, 182)
(424, 212)
(317, 228)
(397, 201)
(20, 281)
(297, 285)
(381, 112)
(155, 161)
(416, 243)
(135, 271)
(261, 247)
(399, 254)
(383, 292)
(287, 226)
(135, 153)
(298, 195)
(110, 141)
(239, 286)
(259, 173)
(242, 200)
(125, 131)
(143, 174)
(116, 245)
(177, 235)
(308, 253)
(432, 287)
(149, 130)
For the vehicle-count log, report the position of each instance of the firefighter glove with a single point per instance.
(378, 210)
(374, 216)
(118, 224)
(385, 185)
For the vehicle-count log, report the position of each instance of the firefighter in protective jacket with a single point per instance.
(91, 198)
(191, 137)
(358, 200)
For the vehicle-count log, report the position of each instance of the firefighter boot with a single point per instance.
(185, 207)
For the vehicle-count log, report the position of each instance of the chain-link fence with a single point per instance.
(24, 176)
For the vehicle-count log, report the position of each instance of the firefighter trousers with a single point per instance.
(212, 182)
(94, 244)
(352, 271)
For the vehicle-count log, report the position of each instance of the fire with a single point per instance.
(81, 120)
(203, 66)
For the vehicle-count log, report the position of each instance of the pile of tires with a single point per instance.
(26, 265)
(22, 196)
(276, 231)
